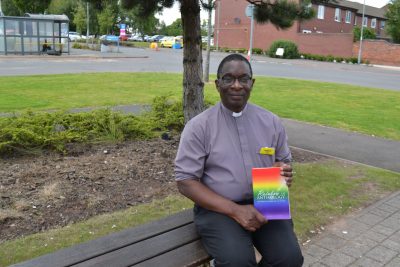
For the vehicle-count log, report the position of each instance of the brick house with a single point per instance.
(343, 16)
(329, 33)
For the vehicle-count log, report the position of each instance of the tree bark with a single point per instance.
(193, 84)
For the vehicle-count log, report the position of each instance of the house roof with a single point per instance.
(369, 10)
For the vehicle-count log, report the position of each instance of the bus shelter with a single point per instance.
(34, 34)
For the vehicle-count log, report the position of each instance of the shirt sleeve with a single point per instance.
(282, 151)
(190, 159)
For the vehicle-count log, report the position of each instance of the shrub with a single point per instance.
(291, 50)
(257, 51)
(368, 33)
(38, 131)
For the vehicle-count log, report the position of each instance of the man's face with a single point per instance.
(234, 85)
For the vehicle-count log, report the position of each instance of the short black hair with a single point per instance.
(233, 57)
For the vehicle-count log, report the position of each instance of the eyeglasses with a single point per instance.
(229, 80)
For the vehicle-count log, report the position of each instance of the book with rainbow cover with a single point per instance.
(271, 194)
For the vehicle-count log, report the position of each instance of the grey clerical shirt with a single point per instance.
(220, 148)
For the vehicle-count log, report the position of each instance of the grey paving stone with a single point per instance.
(338, 259)
(308, 259)
(353, 230)
(394, 263)
(396, 236)
(374, 236)
(366, 262)
(381, 254)
(381, 213)
(358, 248)
(318, 264)
(395, 202)
(370, 219)
(392, 244)
(388, 208)
(396, 215)
(380, 229)
(391, 222)
(317, 251)
(331, 242)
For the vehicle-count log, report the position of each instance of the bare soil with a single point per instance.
(50, 190)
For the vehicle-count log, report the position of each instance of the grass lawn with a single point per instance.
(370, 111)
(321, 193)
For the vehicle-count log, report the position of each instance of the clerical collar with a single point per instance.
(237, 114)
(230, 112)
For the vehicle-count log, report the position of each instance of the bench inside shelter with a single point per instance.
(171, 241)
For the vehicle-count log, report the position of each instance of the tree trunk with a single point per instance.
(207, 67)
(192, 60)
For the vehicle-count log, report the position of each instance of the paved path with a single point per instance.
(369, 150)
(369, 238)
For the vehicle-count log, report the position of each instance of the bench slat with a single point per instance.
(78, 253)
(190, 255)
(146, 249)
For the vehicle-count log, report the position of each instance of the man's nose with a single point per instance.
(236, 84)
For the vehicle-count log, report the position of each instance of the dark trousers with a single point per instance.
(231, 245)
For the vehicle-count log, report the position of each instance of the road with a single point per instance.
(168, 60)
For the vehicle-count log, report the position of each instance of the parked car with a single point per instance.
(156, 38)
(74, 36)
(124, 37)
(136, 38)
(167, 41)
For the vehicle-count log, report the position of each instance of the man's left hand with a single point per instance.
(286, 172)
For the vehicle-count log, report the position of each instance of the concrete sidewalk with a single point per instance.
(369, 238)
(369, 150)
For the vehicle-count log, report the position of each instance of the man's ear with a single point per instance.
(217, 84)
(253, 81)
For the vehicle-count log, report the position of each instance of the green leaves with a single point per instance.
(393, 22)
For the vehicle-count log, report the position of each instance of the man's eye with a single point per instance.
(228, 79)
(244, 79)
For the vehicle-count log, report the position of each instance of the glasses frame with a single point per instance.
(242, 83)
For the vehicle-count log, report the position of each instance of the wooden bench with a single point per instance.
(171, 241)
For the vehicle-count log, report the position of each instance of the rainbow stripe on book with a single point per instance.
(271, 194)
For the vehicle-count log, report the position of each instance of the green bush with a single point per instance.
(291, 50)
(368, 33)
(39, 131)
(257, 51)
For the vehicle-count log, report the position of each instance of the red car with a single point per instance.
(124, 37)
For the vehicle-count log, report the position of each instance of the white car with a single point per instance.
(74, 36)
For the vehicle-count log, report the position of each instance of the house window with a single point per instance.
(337, 14)
(373, 23)
(321, 12)
(365, 22)
(348, 16)
(382, 24)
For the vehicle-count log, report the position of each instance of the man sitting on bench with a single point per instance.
(217, 152)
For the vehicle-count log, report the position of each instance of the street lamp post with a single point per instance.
(219, 8)
(361, 36)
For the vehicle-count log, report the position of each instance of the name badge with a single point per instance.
(267, 151)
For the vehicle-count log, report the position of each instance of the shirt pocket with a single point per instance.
(265, 156)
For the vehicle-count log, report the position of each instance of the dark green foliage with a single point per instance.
(257, 51)
(329, 58)
(32, 6)
(291, 50)
(38, 131)
(368, 33)
(393, 22)
(282, 13)
(167, 114)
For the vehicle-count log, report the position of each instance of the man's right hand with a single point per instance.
(248, 217)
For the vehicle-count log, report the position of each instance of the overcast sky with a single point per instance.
(169, 15)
